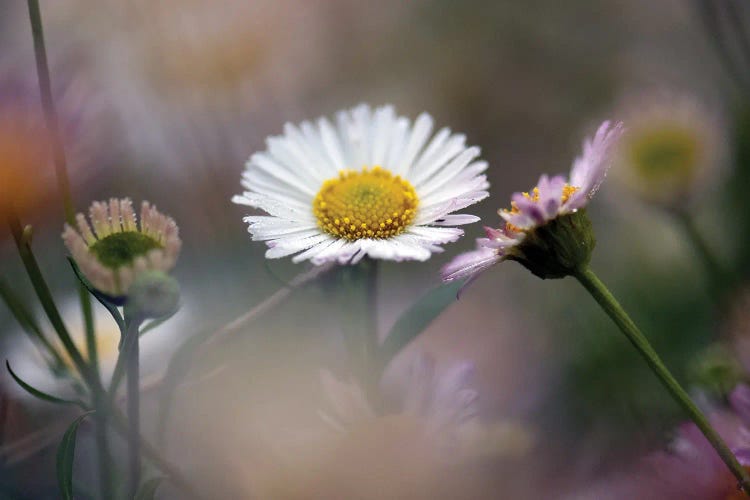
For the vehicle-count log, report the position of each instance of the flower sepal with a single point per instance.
(558, 248)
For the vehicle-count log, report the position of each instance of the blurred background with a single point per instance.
(165, 101)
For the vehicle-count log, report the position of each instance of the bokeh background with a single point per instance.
(170, 98)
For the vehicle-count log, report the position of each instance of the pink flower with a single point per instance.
(552, 198)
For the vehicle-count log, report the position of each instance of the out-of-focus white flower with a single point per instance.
(370, 185)
(532, 211)
(672, 151)
(442, 404)
(37, 369)
(119, 249)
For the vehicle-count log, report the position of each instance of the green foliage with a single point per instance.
(416, 319)
(66, 456)
(40, 394)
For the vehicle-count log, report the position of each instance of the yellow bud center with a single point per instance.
(371, 203)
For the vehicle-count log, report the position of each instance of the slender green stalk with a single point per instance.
(27, 321)
(371, 340)
(63, 184)
(102, 444)
(50, 113)
(134, 416)
(122, 426)
(45, 297)
(130, 352)
(716, 273)
(615, 311)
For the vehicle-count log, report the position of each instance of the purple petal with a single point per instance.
(528, 208)
(740, 401)
(550, 195)
(470, 264)
(591, 167)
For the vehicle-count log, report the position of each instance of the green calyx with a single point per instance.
(153, 294)
(558, 248)
(120, 249)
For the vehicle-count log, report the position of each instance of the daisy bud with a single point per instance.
(112, 249)
(153, 294)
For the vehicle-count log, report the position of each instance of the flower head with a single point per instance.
(672, 149)
(370, 185)
(118, 249)
(546, 229)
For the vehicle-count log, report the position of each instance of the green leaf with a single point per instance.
(65, 457)
(42, 395)
(416, 319)
(103, 299)
(148, 489)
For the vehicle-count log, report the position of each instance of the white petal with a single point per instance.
(289, 247)
(417, 139)
(456, 220)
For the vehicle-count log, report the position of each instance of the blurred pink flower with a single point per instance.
(690, 469)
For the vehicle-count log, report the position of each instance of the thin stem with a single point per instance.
(715, 272)
(615, 311)
(28, 322)
(58, 156)
(122, 426)
(102, 444)
(50, 113)
(712, 24)
(131, 354)
(45, 298)
(371, 340)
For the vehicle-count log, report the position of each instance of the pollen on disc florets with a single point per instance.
(371, 203)
(114, 249)
(567, 191)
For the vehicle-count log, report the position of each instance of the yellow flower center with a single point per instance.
(371, 203)
(568, 190)
(666, 154)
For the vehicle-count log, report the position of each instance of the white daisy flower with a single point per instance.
(550, 201)
(119, 249)
(372, 184)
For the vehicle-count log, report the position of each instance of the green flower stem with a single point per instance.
(716, 273)
(102, 443)
(50, 113)
(27, 321)
(61, 169)
(614, 310)
(45, 298)
(87, 372)
(129, 352)
(122, 426)
(371, 341)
